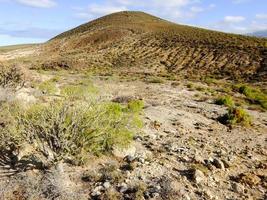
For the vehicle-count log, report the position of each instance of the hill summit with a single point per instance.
(140, 41)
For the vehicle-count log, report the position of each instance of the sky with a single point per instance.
(36, 21)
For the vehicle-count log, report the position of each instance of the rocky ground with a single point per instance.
(182, 152)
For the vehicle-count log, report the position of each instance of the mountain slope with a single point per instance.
(259, 34)
(139, 41)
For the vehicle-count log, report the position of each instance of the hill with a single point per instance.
(139, 41)
(260, 34)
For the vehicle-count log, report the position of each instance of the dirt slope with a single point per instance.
(142, 41)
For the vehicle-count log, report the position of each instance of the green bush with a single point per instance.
(226, 100)
(62, 130)
(80, 91)
(236, 116)
(254, 95)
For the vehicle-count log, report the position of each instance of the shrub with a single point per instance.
(254, 95)
(11, 76)
(226, 100)
(236, 116)
(79, 92)
(62, 130)
(9, 136)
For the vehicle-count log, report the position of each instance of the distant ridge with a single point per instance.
(140, 41)
(262, 34)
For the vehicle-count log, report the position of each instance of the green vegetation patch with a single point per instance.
(80, 91)
(48, 87)
(225, 100)
(61, 129)
(254, 95)
(155, 80)
(236, 116)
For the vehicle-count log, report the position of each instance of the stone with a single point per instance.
(141, 160)
(138, 138)
(107, 185)
(122, 153)
(123, 187)
(208, 194)
(198, 159)
(218, 163)
(129, 158)
(198, 176)
(97, 191)
(238, 188)
(226, 163)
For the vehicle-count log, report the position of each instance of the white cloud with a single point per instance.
(240, 1)
(261, 16)
(38, 3)
(96, 10)
(233, 19)
(239, 24)
(175, 10)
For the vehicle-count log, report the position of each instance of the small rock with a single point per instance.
(238, 188)
(226, 163)
(107, 185)
(97, 191)
(129, 158)
(123, 187)
(198, 159)
(122, 153)
(208, 194)
(141, 160)
(186, 197)
(198, 176)
(155, 195)
(218, 163)
(138, 138)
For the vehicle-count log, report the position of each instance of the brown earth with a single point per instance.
(139, 41)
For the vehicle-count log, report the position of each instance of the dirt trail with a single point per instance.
(20, 53)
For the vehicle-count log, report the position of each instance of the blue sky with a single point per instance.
(31, 21)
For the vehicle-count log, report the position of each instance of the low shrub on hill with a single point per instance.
(11, 76)
(225, 100)
(254, 95)
(236, 116)
(62, 129)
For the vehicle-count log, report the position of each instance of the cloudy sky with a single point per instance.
(31, 21)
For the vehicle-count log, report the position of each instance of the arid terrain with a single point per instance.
(198, 106)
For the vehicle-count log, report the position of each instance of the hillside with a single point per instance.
(140, 41)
